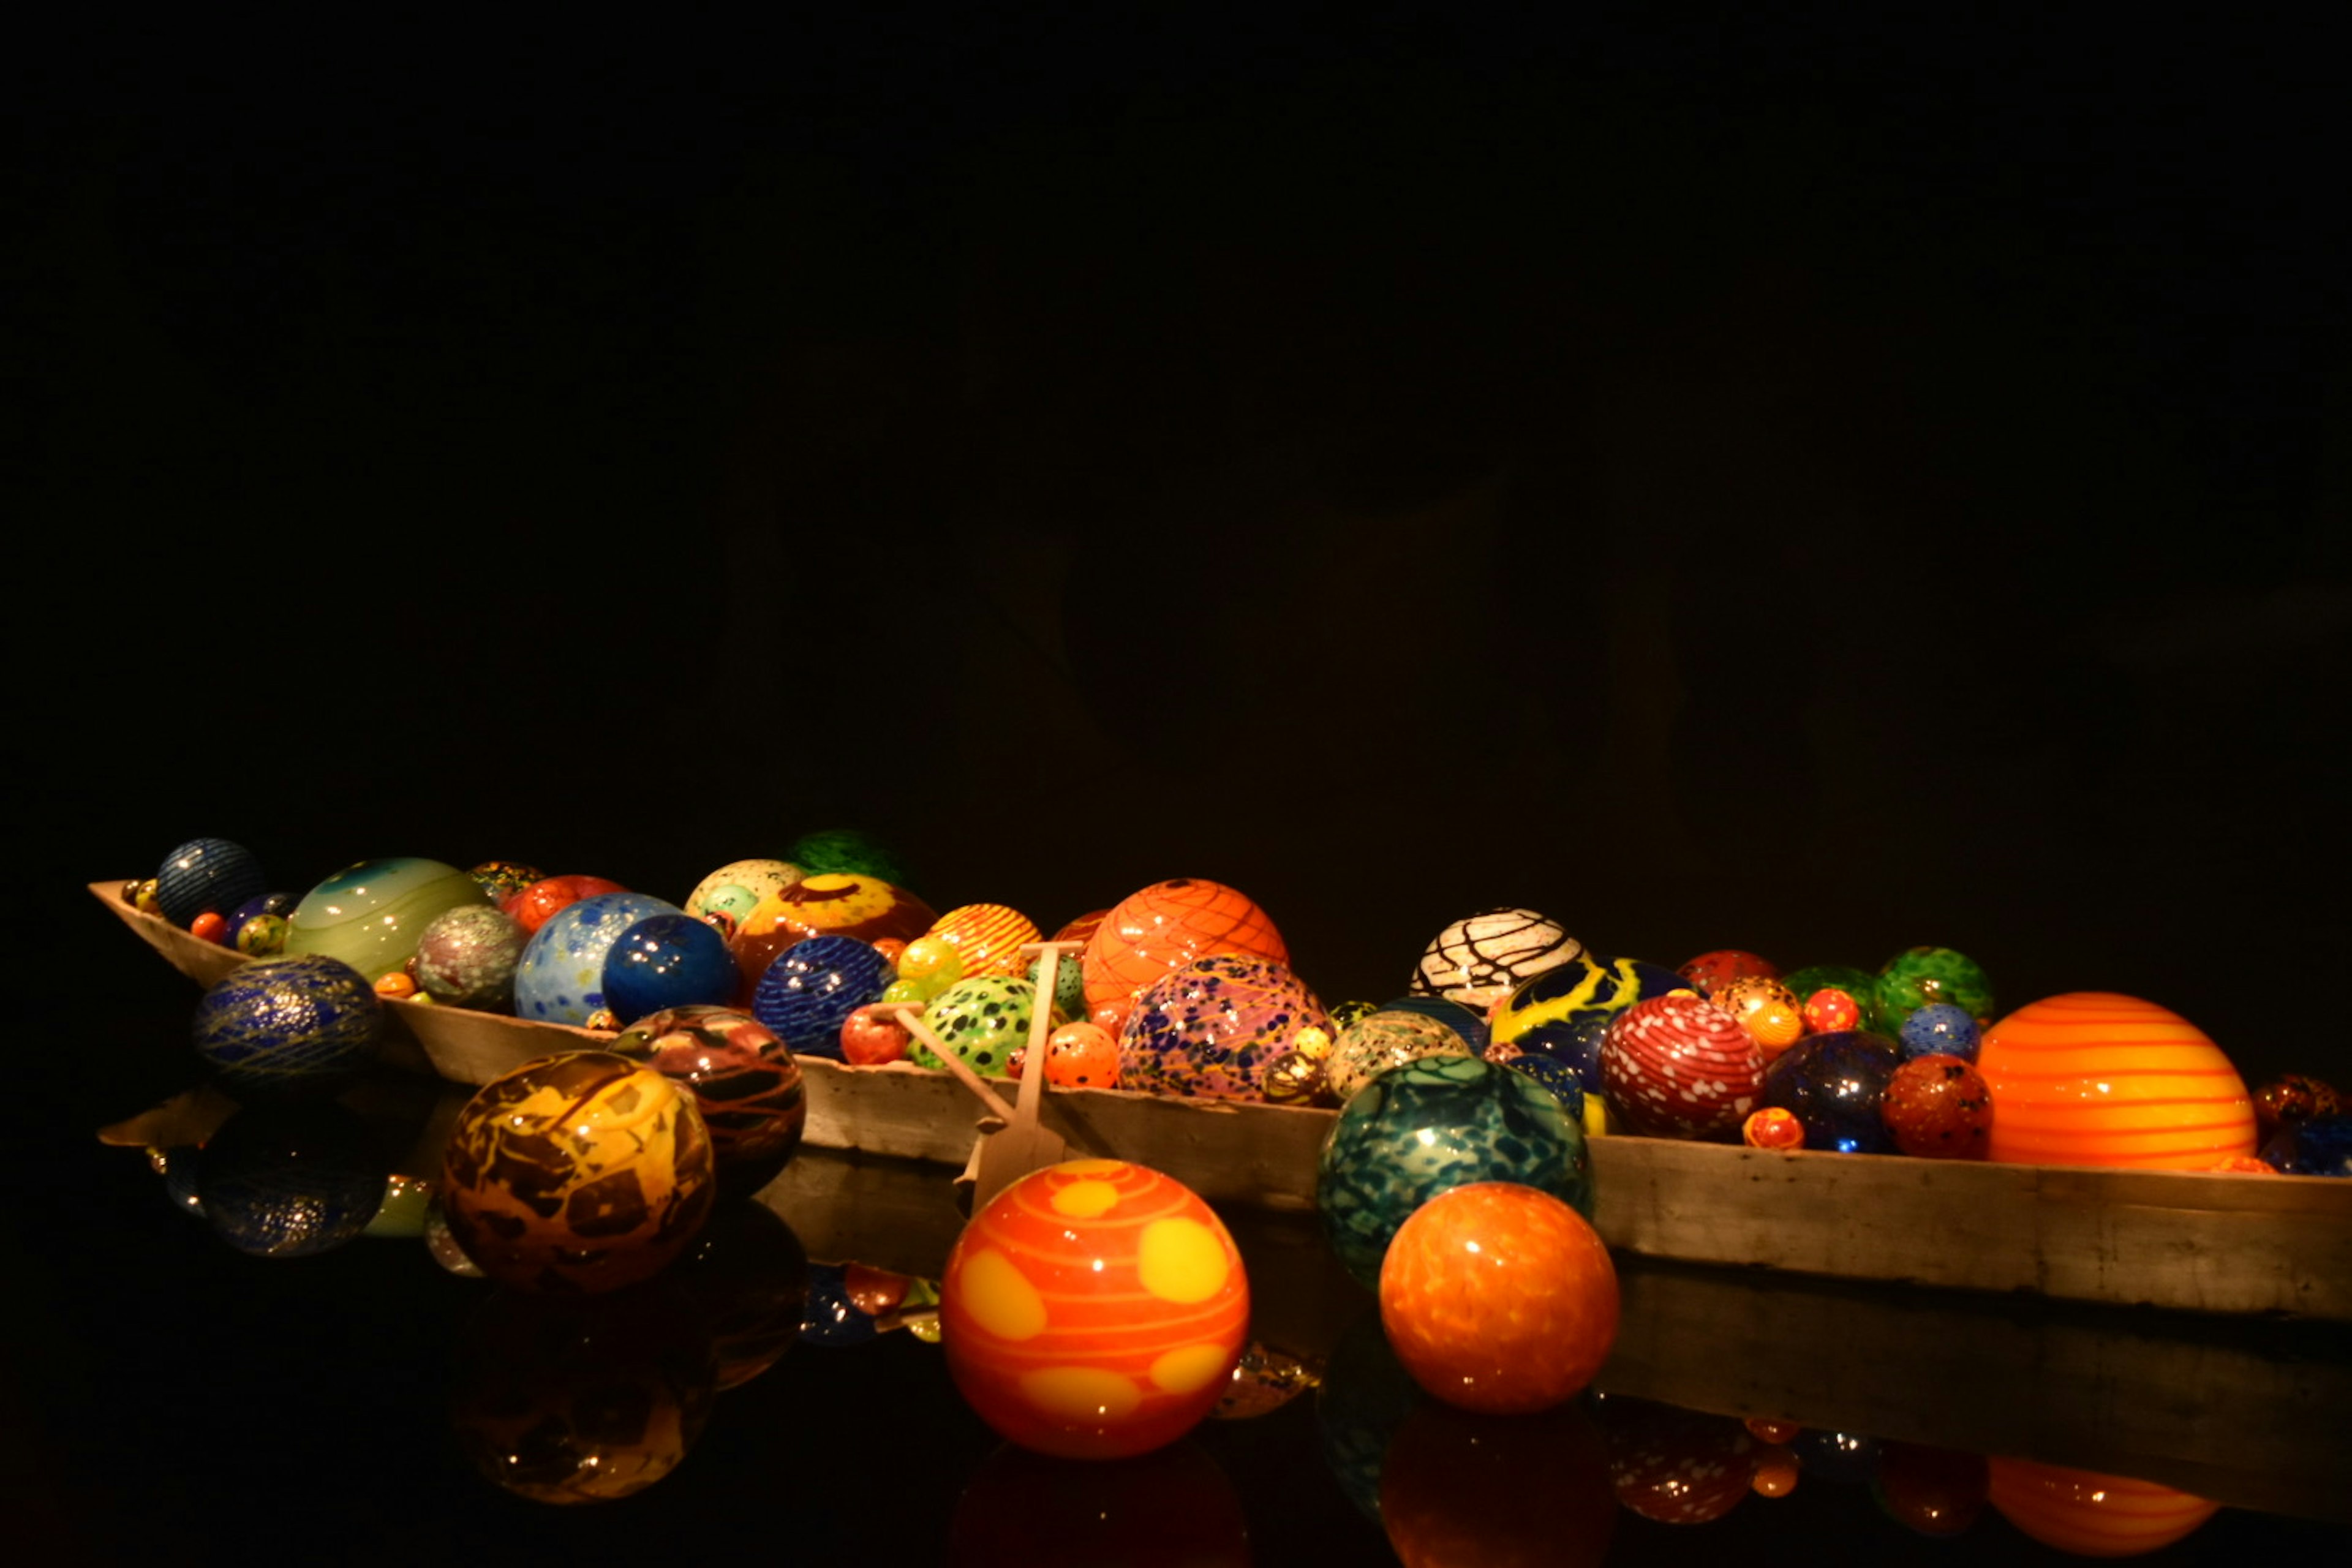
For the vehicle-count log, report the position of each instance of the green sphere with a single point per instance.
(1858, 983)
(1920, 975)
(371, 915)
(983, 1021)
(847, 851)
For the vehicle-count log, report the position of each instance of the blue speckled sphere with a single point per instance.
(287, 1028)
(664, 962)
(561, 979)
(813, 985)
(1428, 1127)
(206, 874)
(1566, 1011)
(831, 1317)
(1557, 1075)
(1452, 1015)
(2319, 1147)
(291, 1181)
(1834, 1084)
(1940, 1029)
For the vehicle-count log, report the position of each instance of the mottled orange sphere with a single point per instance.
(2093, 1079)
(1499, 1299)
(1162, 928)
(2092, 1515)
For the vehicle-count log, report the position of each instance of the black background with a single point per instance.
(1762, 483)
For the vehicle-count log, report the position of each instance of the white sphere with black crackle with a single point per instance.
(1481, 959)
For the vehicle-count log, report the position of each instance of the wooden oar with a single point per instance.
(911, 1016)
(1026, 1144)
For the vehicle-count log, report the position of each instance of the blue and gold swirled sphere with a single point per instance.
(288, 1028)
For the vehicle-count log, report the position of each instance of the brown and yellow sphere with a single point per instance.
(579, 1173)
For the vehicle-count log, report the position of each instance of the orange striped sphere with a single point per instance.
(987, 937)
(2094, 1079)
(1164, 928)
(2089, 1515)
(1094, 1310)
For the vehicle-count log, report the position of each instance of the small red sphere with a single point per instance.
(1939, 1107)
(1499, 1299)
(1710, 971)
(869, 1038)
(1830, 1011)
(209, 926)
(1776, 1471)
(1778, 1434)
(1774, 1128)
(873, 1291)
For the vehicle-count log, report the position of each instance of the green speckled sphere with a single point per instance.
(1373, 1044)
(847, 851)
(1917, 977)
(1428, 1127)
(372, 914)
(1069, 985)
(983, 1021)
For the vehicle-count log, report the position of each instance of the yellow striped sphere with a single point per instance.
(1094, 1310)
(987, 937)
(2089, 1515)
(2094, 1079)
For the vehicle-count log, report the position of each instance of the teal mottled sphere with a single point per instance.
(372, 914)
(1428, 1127)
(1919, 977)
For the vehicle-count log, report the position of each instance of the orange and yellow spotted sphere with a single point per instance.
(2086, 1514)
(1094, 1310)
(987, 939)
(1151, 933)
(2094, 1079)
(580, 1172)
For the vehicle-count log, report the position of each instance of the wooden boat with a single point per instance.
(2181, 1240)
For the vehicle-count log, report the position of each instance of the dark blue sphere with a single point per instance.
(667, 961)
(286, 1027)
(1844, 1457)
(291, 1181)
(1940, 1029)
(813, 985)
(1834, 1084)
(1557, 1075)
(1576, 1042)
(2319, 1147)
(206, 874)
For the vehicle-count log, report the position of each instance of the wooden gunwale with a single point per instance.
(2179, 1240)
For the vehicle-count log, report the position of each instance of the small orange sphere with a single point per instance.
(2092, 1515)
(208, 925)
(1765, 1429)
(1776, 1471)
(1498, 1297)
(396, 986)
(1830, 1011)
(1772, 1127)
(1081, 1055)
(2094, 1079)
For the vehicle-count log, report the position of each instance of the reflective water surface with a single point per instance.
(225, 1386)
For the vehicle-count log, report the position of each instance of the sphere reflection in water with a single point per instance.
(1172, 1506)
(565, 1400)
(1458, 1488)
(1365, 1396)
(1677, 1467)
(2092, 1515)
(746, 1277)
(1935, 1491)
(290, 1181)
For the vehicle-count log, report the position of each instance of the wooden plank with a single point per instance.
(2183, 1240)
(2246, 1413)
